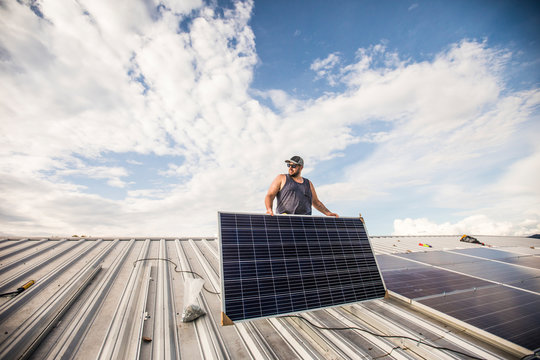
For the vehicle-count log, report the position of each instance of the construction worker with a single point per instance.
(295, 194)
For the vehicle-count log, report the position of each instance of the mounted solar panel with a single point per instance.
(509, 313)
(481, 290)
(282, 264)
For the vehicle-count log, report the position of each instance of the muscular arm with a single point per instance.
(317, 204)
(275, 187)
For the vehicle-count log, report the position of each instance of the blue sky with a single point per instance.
(147, 118)
(417, 30)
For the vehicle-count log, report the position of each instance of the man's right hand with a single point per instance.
(269, 212)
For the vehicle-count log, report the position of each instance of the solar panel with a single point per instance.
(527, 261)
(480, 267)
(439, 258)
(275, 265)
(421, 282)
(499, 272)
(464, 291)
(531, 261)
(509, 313)
(486, 253)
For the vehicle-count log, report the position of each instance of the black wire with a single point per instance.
(387, 354)
(179, 271)
(325, 328)
(381, 335)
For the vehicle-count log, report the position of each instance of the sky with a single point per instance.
(146, 118)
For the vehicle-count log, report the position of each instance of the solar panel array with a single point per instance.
(274, 265)
(496, 291)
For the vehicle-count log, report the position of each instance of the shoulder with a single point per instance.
(280, 180)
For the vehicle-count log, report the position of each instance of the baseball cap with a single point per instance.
(296, 160)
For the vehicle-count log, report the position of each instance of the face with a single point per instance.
(294, 170)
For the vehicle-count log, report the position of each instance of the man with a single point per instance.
(295, 194)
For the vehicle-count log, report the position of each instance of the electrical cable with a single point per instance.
(179, 271)
(321, 327)
(380, 335)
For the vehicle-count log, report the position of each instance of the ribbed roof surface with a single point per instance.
(93, 299)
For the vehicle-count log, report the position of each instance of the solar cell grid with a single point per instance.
(486, 253)
(496, 271)
(438, 257)
(388, 262)
(487, 264)
(527, 261)
(524, 250)
(509, 313)
(281, 264)
(421, 282)
(532, 284)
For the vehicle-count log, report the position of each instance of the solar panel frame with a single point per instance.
(309, 302)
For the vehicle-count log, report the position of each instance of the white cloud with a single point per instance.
(324, 68)
(92, 79)
(451, 123)
(113, 175)
(134, 162)
(74, 83)
(477, 224)
(321, 66)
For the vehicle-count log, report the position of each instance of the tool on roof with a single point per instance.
(470, 239)
(425, 245)
(21, 289)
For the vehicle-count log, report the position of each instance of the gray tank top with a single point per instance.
(294, 198)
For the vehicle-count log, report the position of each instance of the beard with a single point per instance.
(294, 174)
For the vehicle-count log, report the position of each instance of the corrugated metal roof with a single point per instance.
(93, 299)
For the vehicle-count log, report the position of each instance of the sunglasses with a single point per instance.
(292, 166)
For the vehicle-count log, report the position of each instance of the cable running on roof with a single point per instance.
(179, 271)
(321, 327)
(380, 335)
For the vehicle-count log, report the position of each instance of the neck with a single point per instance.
(298, 178)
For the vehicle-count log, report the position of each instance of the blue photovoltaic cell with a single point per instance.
(461, 289)
(438, 257)
(388, 262)
(527, 261)
(509, 313)
(420, 281)
(503, 270)
(530, 260)
(274, 265)
(499, 272)
(487, 253)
